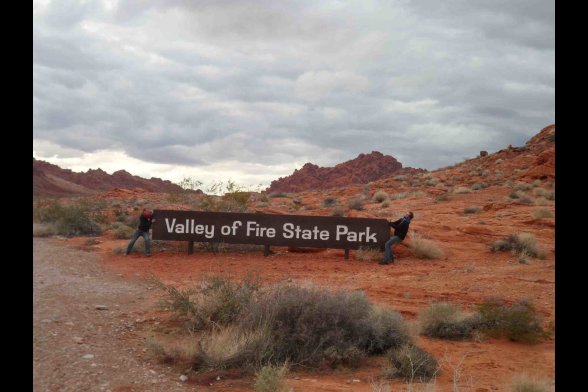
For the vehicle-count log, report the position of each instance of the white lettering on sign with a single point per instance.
(189, 227)
(253, 228)
(291, 231)
(353, 236)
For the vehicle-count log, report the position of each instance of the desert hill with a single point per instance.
(361, 170)
(52, 181)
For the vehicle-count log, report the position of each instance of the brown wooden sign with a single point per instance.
(266, 229)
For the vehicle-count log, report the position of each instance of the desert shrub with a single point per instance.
(367, 254)
(387, 329)
(445, 321)
(462, 190)
(416, 194)
(397, 196)
(329, 201)
(514, 195)
(412, 363)
(550, 195)
(541, 201)
(44, 229)
(356, 203)
(385, 204)
(424, 248)
(525, 383)
(313, 326)
(132, 220)
(485, 173)
(399, 178)
(443, 197)
(499, 160)
(479, 185)
(471, 210)
(271, 379)
(431, 182)
(124, 232)
(522, 186)
(526, 199)
(380, 196)
(156, 349)
(542, 213)
(338, 211)
(76, 221)
(518, 322)
(522, 243)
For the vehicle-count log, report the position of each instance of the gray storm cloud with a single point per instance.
(199, 83)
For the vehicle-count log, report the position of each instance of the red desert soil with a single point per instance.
(466, 274)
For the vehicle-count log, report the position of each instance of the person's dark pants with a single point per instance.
(388, 254)
(136, 235)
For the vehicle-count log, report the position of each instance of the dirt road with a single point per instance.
(86, 324)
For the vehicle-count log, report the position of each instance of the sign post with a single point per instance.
(270, 230)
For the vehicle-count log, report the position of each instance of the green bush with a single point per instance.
(443, 320)
(518, 322)
(69, 220)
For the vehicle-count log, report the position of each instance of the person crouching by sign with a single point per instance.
(143, 231)
(400, 229)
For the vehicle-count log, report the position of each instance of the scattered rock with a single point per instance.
(183, 378)
(88, 356)
(483, 153)
(101, 307)
(355, 380)
(78, 340)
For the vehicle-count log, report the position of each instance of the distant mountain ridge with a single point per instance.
(50, 180)
(361, 170)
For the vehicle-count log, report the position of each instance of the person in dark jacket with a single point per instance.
(400, 229)
(143, 231)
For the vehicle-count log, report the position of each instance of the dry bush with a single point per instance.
(424, 248)
(445, 321)
(462, 190)
(44, 229)
(443, 197)
(479, 185)
(356, 203)
(521, 243)
(518, 322)
(525, 383)
(471, 210)
(338, 211)
(380, 196)
(367, 254)
(397, 196)
(542, 213)
(271, 379)
(124, 232)
(412, 364)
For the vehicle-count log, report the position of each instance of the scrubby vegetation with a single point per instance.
(368, 254)
(244, 325)
(67, 220)
(424, 248)
(380, 196)
(521, 243)
(412, 364)
(494, 317)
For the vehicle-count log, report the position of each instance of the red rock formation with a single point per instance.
(361, 170)
(52, 181)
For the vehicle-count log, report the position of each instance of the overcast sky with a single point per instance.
(251, 90)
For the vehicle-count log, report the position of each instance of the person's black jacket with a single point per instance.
(145, 223)
(400, 227)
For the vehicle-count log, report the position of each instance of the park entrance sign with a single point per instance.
(269, 229)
